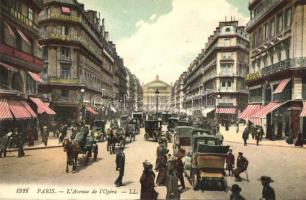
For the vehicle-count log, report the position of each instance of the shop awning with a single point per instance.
(226, 110)
(36, 77)
(41, 107)
(91, 110)
(281, 86)
(207, 110)
(8, 67)
(18, 110)
(249, 110)
(267, 109)
(303, 113)
(5, 113)
(29, 109)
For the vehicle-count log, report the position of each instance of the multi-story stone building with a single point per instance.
(20, 61)
(276, 78)
(149, 97)
(217, 75)
(138, 95)
(80, 61)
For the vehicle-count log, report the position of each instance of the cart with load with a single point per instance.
(99, 130)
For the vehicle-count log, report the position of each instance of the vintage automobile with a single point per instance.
(165, 117)
(153, 129)
(208, 163)
(99, 130)
(139, 116)
(172, 123)
(183, 136)
(184, 122)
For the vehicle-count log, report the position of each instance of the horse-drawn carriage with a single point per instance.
(116, 138)
(131, 130)
(99, 130)
(153, 129)
(82, 143)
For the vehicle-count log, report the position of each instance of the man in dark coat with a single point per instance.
(236, 193)
(230, 162)
(147, 183)
(120, 163)
(159, 154)
(245, 136)
(267, 191)
(162, 173)
(179, 165)
(20, 143)
(242, 165)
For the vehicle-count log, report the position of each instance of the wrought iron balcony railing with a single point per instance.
(267, 7)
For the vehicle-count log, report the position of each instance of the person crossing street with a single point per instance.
(120, 164)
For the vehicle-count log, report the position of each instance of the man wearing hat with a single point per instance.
(120, 164)
(159, 153)
(242, 165)
(230, 162)
(236, 193)
(161, 177)
(179, 165)
(172, 181)
(147, 182)
(267, 191)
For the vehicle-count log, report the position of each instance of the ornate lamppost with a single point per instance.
(156, 95)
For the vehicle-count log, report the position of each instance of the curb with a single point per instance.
(270, 145)
(36, 148)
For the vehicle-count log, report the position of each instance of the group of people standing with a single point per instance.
(170, 173)
(256, 133)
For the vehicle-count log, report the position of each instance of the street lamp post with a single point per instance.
(216, 97)
(156, 94)
(82, 103)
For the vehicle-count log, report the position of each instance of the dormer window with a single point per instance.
(227, 30)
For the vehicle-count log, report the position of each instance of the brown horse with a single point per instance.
(72, 154)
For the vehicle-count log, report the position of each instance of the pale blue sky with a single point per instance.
(163, 36)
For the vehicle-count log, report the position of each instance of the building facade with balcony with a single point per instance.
(20, 60)
(276, 78)
(80, 61)
(149, 97)
(217, 75)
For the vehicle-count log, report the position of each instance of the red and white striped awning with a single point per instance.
(249, 110)
(281, 86)
(226, 110)
(29, 109)
(18, 110)
(91, 110)
(267, 109)
(41, 107)
(8, 67)
(36, 77)
(5, 113)
(303, 113)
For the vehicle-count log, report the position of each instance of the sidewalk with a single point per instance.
(52, 143)
(231, 136)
